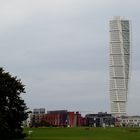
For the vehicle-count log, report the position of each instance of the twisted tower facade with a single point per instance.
(119, 65)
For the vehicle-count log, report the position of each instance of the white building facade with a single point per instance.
(119, 65)
(130, 121)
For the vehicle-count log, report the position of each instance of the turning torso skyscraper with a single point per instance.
(119, 65)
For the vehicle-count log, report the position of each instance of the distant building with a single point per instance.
(61, 118)
(57, 118)
(100, 120)
(64, 118)
(36, 116)
(38, 111)
(119, 64)
(130, 121)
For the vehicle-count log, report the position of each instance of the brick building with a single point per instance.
(61, 118)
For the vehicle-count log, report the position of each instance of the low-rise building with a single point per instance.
(100, 120)
(130, 121)
(61, 118)
(38, 111)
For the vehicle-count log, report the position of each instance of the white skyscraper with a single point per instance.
(119, 64)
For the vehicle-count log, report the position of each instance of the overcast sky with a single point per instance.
(60, 51)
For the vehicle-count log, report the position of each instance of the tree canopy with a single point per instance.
(13, 110)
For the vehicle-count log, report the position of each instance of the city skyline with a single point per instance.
(59, 49)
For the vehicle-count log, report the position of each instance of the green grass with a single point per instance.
(83, 133)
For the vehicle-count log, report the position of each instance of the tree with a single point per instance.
(13, 110)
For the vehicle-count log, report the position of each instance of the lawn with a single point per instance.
(83, 133)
